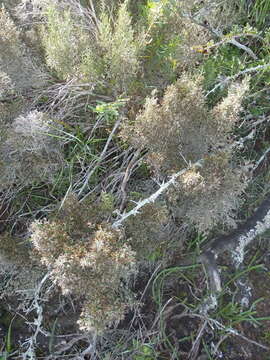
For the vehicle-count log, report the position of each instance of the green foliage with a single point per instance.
(107, 59)
(121, 50)
(226, 61)
(259, 12)
(109, 112)
(172, 37)
(64, 41)
(144, 351)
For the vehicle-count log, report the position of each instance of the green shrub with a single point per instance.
(64, 40)
(105, 57)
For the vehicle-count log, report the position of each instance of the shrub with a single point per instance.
(118, 49)
(147, 232)
(172, 39)
(64, 41)
(209, 196)
(19, 272)
(87, 258)
(122, 52)
(16, 61)
(180, 131)
(104, 56)
(175, 132)
(29, 151)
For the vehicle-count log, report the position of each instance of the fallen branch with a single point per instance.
(236, 242)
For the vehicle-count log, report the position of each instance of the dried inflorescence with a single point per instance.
(30, 150)
(180, 131)
(87, 258)
(210, 195)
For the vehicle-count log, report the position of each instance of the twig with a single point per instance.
(258, 163)
(195, 346)
(128, 171)
(224, 40)
(235, 76)
(220, 326)
(32, 341)
(236, 333)
(152, 198)
(101, 157)
(233, 41)
(65, 347)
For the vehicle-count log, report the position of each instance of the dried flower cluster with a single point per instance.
(87, 258)
(208, 196)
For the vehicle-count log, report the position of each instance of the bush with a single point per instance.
(105, 56)
(172, 40)
(209, 196)
(180, 131)
(29, 151)
(147, 232)
(64, 41)
(87, 258)
(17, 64)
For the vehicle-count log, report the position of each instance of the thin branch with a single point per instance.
(35, 306)
(196, 344)
(235, 76)
(152, 198)
(243, 47)
(101, 157)
(262, 158)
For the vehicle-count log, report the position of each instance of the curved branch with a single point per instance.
(235, 242)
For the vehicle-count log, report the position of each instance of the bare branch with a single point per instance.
(152, 198)
(235, 76)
